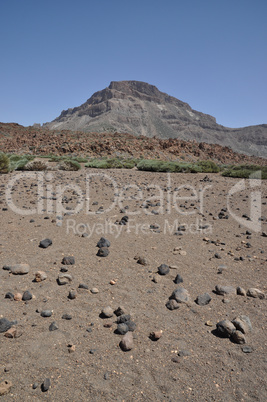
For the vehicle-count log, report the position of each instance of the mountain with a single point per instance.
(139, 108)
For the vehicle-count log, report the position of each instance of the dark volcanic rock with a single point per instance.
(46, 385)
(103, 243)
(26, 295)
(180, 295)
(5, 324)
(178, 279)
(68, 260)
(204, 299)
(45, 243)
(103, 252)
(163, 269)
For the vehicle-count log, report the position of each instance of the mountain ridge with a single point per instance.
(139, 108)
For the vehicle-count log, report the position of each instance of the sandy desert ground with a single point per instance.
(82, 356)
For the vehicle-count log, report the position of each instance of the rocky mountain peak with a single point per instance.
(139, 108)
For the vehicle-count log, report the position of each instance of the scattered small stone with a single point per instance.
(11, 333)
(35, 385)
(5, 387)
(40, 276)
(142, 261)
(71, 348)
(64, 279)
(53, 326)
(182, 252)
(7, 368)
(46, 385)
(83, 286)
(108, 325)
(226, 301)
(119, 311)
(26, 295)
(204, 299)
(225, 290)
(256, 293)
(225, 327)
(178, 279)
(238, 337)
(63, 269)
(209, 323)
(243, 324)
(107, 312)
(126, 343)
(123, 318)
(222, 268)
(46, 313)
(216, 255)
(19, 269)
(172, 304)
(131, 325)
(106, 376)
(45, 243)
(184, 353)
(67, 316)
(9, 295)
(103, 243)
(155, 335)
(163, 269)
(181, 295)
(17, 296)
(175, 359)
(240, 291)
(94, 291)
(5, 324)
(72, 294)
(68, 260)
(155, 279)
(247, 349)
(122, 329)
(103, 252)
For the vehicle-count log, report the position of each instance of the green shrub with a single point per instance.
(69, 165)
(4, 163)
(18, 162)
(245, 171)
(183, 167)
(208, 167)
(153, 165)
(80, 159)
(111, 163)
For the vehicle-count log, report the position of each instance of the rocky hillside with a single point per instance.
(40, 141)
(141, 109)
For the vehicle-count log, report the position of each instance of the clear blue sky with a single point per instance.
(211, 54)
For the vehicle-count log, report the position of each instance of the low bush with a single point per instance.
(18, 162)
(36, 166)
(111, 163)
(183, 167)
(208, 167)
(246, 172)
(69, 164)
(4, 163)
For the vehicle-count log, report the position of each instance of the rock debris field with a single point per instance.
(124, 285)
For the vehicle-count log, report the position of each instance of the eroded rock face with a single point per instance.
(141, 109)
